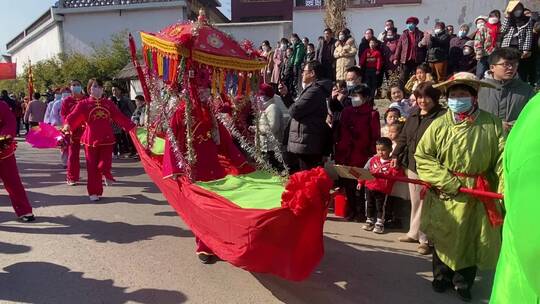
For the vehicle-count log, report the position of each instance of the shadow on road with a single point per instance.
(167, 213)
(41, 282)
(6, 248)
(41, 175)
(46, 200)
(99, 231)
(370, 274)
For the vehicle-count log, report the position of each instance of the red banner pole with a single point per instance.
(140, 73)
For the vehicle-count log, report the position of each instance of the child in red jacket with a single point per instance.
(371, 62)
(378, 190)
(358, 130)
(97, 114)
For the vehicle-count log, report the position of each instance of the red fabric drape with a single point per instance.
(267, 241)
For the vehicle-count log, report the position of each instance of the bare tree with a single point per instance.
(335, 14)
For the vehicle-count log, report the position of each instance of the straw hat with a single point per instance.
(465, 78)
(512, 5)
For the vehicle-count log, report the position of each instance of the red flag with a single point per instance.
(8, 70)
(30, 81)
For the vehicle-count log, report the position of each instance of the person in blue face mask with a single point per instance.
(456, 48)
(462, 148)
(408, 52)
(74, 146)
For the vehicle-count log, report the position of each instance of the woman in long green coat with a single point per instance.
(518, 272)
(461, 149)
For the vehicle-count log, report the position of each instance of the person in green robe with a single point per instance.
(517, 279)
(462, 148)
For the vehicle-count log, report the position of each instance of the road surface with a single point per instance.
(131, 247)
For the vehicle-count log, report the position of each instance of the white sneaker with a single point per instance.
(94, 198)
(379, 228)
(71, 183)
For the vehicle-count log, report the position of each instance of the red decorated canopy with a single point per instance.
(204, 44)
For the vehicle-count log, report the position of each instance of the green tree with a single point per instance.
(105, 62)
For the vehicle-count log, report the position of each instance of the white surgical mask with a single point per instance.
(480, 25)
(462, 34)
(493, 20)
(389, 36)
(283, 46)
(437, 31)
(342, 37)
(357, 101)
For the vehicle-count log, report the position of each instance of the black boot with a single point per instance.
(464, 294)
(440, 286)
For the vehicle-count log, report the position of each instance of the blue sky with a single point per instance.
(19, 14)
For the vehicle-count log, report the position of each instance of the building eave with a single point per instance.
(136, 6)
(35, 32)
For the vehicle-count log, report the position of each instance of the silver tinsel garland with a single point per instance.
(273, 144)
(250, 149)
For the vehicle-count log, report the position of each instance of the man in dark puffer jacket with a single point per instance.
(309, 135)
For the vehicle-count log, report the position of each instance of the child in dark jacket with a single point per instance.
(378, 190)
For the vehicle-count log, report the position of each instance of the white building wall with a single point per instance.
(83, 31)
(310, 23)
(257, 32)
(44, 45)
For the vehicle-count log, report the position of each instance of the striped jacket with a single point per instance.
(524, 34)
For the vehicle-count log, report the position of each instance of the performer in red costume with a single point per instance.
(217, 156)
(9, 173)
(97, 113)
(74, 147)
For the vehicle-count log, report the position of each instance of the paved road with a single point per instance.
(131, 247)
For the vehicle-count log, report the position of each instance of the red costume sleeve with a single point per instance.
(7, 121)
(76, 118)
(119, 118)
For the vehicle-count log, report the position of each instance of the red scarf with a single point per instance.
(494, 30)
(469, 116)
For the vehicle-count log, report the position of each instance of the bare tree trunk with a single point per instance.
(335, 14)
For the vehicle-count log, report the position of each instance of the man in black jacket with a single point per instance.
(325, 54)
(309, 135)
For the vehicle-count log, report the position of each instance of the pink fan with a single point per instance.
(44, 136)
